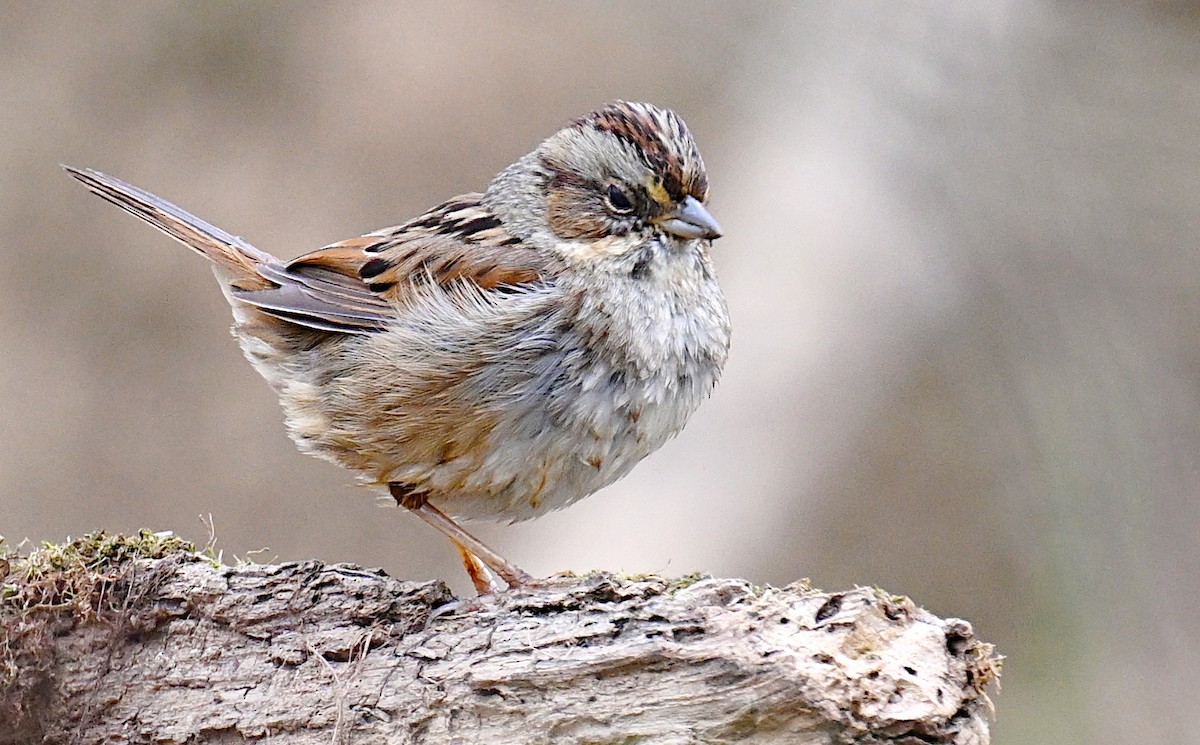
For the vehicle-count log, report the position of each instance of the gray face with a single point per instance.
(626, 170)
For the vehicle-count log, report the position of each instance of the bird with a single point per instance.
(506, 353)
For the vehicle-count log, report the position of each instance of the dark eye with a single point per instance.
(618, 200)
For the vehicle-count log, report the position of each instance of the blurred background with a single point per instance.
(960, 255)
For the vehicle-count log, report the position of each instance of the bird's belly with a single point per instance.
(544, 458)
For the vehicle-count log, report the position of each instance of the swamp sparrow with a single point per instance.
(506, 353)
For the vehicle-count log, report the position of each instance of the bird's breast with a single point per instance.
(633, 364)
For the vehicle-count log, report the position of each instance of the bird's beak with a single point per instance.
(691, 220)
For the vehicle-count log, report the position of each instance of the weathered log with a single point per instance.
(153, 642)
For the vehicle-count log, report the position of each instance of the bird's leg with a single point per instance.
(468, 544)
(512, 574)
(484, 581)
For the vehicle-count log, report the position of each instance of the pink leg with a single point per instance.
(484, 581)
(474, 551)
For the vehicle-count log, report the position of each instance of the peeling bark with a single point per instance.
(175, 649)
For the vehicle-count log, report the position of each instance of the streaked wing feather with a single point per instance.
(295, 303)
(359, 285)
(346, 291)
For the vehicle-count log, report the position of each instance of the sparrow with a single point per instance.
(505, 354)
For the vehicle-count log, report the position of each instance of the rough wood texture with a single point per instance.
(176, 649)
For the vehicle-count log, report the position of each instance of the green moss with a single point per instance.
(59, 575)
(79, 581)
(678, 583)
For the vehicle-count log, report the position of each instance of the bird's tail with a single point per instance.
(236, 261)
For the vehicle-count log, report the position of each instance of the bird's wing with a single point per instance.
(360, 285)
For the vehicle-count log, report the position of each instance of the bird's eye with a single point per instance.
(618, 200)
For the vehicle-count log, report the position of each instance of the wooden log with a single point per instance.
(156, 643)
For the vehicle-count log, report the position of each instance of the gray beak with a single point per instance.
(691, 221)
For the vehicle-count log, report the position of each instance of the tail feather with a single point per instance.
(237, 261)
